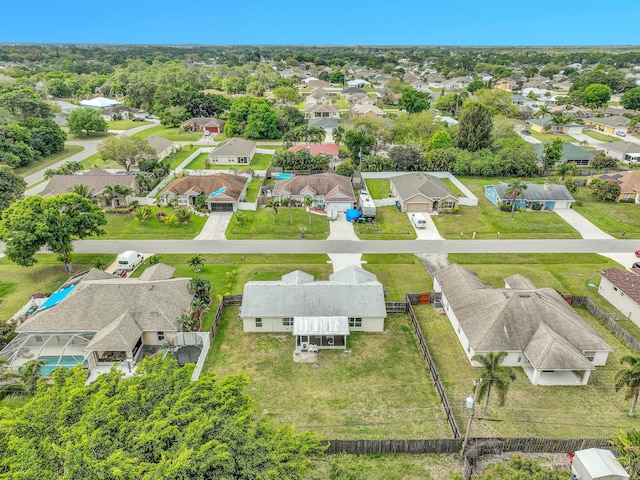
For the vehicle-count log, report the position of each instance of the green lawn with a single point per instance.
(609, 216)
(175, 134)
(591, 411)
(123, 226)
(72, 137)
(96, 161)
(390, 224)
(259, 225)
(381, 389)
(46, 162)
(180, 156)
(261, 161)
(125, 124)
(601, 137)
(549, 137)
(486, 220)
(378, 187)
(253, 189)
(19, 283)
(400, 273)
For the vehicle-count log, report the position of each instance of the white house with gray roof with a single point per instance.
(421, 192)
(96, 319)
(537, 328)
(320, 313)
(235, 151)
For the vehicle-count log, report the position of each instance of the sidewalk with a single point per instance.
(587, 229)
(340, 229)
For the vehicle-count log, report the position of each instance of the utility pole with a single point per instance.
(470, 403)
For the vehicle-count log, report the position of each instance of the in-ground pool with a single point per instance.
(57, 297)
(53, 362)
(282, 176)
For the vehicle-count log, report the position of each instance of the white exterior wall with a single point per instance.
(562, 204)
(370, 325)
(274, 324)
(600, 358)
(622, 302)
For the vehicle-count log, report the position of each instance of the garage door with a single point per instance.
(340, 206)
(222, 207)
(417, 207)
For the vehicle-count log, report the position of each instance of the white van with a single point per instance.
(129, 260)
(418, 220)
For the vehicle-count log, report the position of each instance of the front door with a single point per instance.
(303, 341)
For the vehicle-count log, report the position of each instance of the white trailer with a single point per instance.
(367, 207)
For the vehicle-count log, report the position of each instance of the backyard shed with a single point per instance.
(597, 464)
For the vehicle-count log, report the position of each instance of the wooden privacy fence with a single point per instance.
(608, 320)
(227, 301)
(437, 382)
(396, 307)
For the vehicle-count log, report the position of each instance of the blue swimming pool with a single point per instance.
(67, 361)
(282, 176)
(57, 297)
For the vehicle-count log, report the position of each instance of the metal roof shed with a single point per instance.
(597, 464)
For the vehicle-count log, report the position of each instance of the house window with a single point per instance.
(590, 355)
(355, 322)
(519, 359)
(243, 160)
(469, 347)
(287, 322)
(258, 323)
(161, 336)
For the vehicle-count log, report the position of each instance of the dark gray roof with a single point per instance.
(350, 90)
(350, 293)
(569, 152)
(510, 319)
(234, 147)
(420, 183)
(614, 121)
(159, 271)
(95, 179)
(536, 192)
(159, 144)
(623, 147)
(324, 122)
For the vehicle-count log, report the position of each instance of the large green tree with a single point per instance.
(126, 151)
(359, 143)
(86, 120)
(475, 127)
(493, 376)
(12, 187)
(552, 153)
(156, 424)
(53, 223)
(596, 95)
(631, 99)
(414, 101)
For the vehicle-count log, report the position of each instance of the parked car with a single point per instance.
(620, 133)
(120, 272)
(138, 119)
(526, 132)
(638, 253)
(636, 265)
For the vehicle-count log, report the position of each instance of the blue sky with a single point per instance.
(374, 22)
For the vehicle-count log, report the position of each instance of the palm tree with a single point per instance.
(543, 112)
(288, 202)
(494, 375)
(187, 322)
(629, 378)
(198, 308)
(514, 190)
(9, 379)
(338, 134)
(629, 454)
(196, 262)
(82, 190)
(30, 373)
(274, 205)
(183, 215)
(109, 194)
(308, 201)
(200, 287)
(565, 168)
(142, 214)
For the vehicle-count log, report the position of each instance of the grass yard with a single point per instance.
(19, 283)
(125, 124)
(123, 226)
(387, 467)
(378, 187)
(72, 137)
(591, 411)
(175, 134)
(382, 389)
(96, 161)
(390, 224)
(253, 189)
(601, 137)
(46, 162)
(611, 217)
(260, 225)
(400, 273)
(549, 137)
(261, 161)
(452, 186)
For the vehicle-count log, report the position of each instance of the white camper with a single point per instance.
(129, 260)
(418, 220)
(367, 207)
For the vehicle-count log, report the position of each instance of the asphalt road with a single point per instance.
(363, 246)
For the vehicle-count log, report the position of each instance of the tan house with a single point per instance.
(164, 148)
(421, 192)
(223, 191)
(329, 189)
(609, 125)
(96, 319)
(321, 111)
(204, 124)
(235, 151)
(319, 96)
(535, 326)
(96, 181)
(367, 111)
(629, 182)
(359, 99)
(319, 313)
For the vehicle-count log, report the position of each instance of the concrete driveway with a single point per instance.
(429, 233)
(215, 226)
(624, 259)
(340, 229)
(581, 224)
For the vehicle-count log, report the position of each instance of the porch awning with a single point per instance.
(320, 326)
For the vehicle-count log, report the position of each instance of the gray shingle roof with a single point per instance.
(536, 192)
(159, 144)
(614, 121)
(334, 298)
(94, 304)
(234, 147)
(623, 147)
(323, 122)
(159, 271)
(420, 183)
(332, 186)
(510, 319)
(121, 335)
(322, 108)
(569, 152)
(95, 179)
